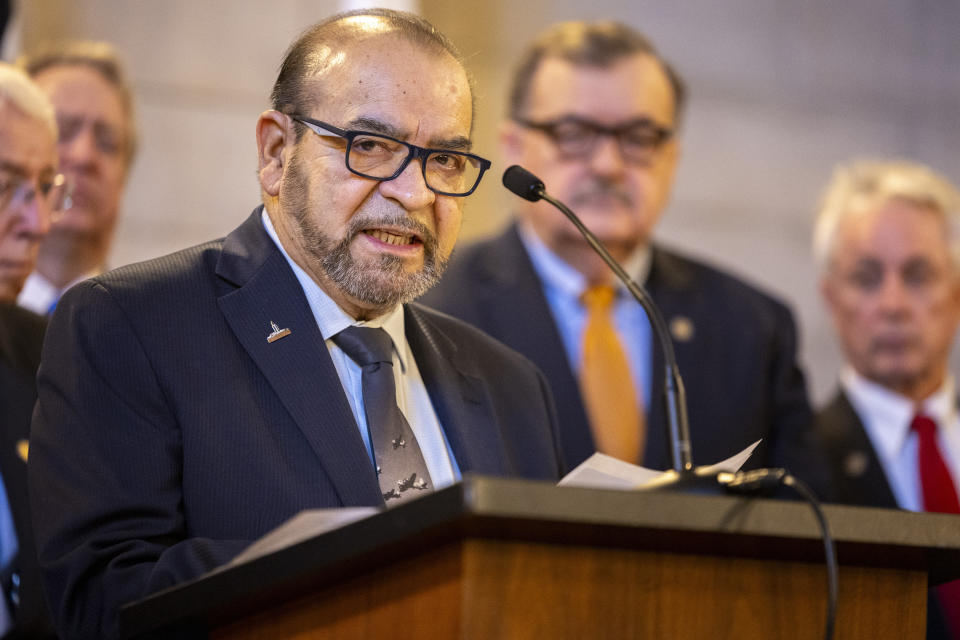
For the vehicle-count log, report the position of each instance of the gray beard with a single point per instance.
(383, 284)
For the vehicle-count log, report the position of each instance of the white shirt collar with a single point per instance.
(331, 319)
(887, 415)
(558, 274)
(38, 294)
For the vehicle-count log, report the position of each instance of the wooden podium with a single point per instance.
(491, 558)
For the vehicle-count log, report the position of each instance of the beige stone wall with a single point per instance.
(780, 92)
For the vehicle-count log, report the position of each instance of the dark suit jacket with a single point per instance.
(856, 474)
(858, 478)
(739, 366)
(169, 433)
(21, 336)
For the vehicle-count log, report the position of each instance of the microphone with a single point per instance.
(529, 187)
(686, 477)
(523, 183)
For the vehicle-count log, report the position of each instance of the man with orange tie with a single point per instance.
(594, 112)
(887, 243)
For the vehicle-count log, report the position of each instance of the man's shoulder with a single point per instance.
(479, 272)
(836, 419)
(677, 272)
(180, 274)
(467, 337)
(485, 256)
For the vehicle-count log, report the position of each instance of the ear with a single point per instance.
(273, 134)
(828, 292)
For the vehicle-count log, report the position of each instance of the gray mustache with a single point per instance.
(584, 196)
(397, 220)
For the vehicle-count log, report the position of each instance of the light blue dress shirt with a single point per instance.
(412, 396)
(8, 551)
(563, 286)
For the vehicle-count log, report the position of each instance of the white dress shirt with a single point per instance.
(412, 396)
(886, 417)
(40, 295)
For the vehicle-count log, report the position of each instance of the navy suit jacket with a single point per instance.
(169, 433)
(858, 478)
(739, 365)
(21, 337)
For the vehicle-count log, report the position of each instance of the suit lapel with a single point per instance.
(857, 470)
(458, 395)
(665, 280)
(297, 366)
(520, 317)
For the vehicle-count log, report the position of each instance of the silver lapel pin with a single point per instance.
(277, 332)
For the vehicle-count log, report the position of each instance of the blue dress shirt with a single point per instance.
(563, 285)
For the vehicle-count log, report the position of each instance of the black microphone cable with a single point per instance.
(764, 481)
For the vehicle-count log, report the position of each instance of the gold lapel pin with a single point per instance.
(23, 449)
(681, 328)
(277, 332)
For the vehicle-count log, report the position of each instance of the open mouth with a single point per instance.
(396, 239)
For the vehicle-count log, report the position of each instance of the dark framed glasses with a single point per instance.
(577, 138)
(380, 157)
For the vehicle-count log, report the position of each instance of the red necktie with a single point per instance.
(939, 495)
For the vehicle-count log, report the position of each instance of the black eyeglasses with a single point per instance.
(380, 157)
(638, 140)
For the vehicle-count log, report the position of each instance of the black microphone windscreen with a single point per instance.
(523, 183)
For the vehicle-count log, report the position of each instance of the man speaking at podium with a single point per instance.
(594, 112)
(189, 404)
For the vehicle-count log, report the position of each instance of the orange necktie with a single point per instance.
(616, 418)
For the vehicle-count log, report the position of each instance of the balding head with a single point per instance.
(320, 48)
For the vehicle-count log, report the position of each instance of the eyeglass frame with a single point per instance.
(58, 180)
(549, 127)
(420, 153)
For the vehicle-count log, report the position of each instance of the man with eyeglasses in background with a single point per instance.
(31, 192)
(594, 112)
(88, 88)
(189, 404)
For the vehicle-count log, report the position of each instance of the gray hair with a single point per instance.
(100, 57)
(870, 183)
(18, 89)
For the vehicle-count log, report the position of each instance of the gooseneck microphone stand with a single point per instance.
(684, 476)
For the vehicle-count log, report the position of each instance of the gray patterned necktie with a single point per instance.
(401, 469)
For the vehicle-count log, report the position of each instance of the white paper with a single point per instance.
(601, 471)
(300, 527)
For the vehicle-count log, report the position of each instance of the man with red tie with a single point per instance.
(887, 242)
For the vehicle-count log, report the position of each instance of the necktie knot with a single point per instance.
(598, 297)
(925, 427)
(366, 345)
